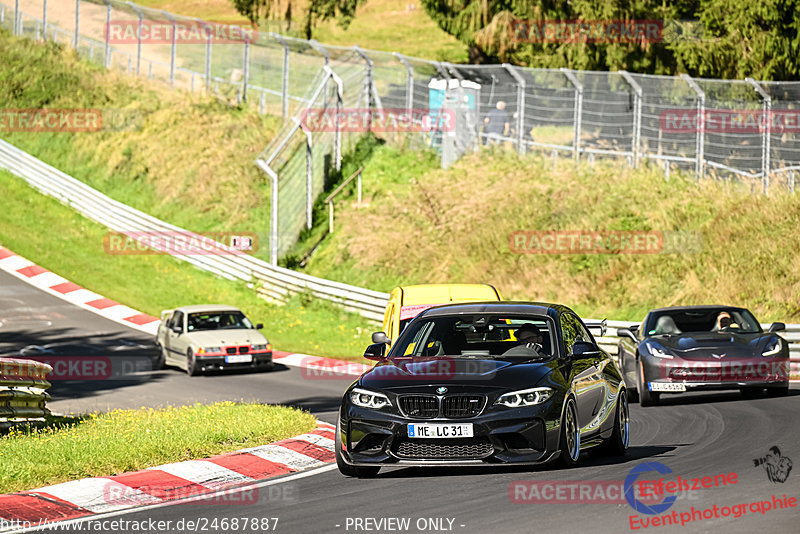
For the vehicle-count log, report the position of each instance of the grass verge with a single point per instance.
(56, 237)
(129, 440)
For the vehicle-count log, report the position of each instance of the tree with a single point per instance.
(733, 39)
(315, 11)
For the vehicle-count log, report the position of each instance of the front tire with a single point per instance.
(192, 367)
(646, 397)
(617, 444)
(345, 468)
(570, 435)
(161, 360)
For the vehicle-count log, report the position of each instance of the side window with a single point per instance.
(583, 332)
(569, 330)
(170, 320)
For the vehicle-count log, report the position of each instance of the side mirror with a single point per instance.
(380, 337)
(584, 349)
(259, 326)
(178, 329)
(375, 351)
(626, 332)
(777, 327)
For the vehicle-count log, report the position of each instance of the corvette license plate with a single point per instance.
(666, 386)
(239, 358)
(426, 430)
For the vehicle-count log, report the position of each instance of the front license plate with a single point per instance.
(666, 386)
(239, 358)
(426, 430)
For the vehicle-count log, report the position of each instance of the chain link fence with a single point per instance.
(738, 130)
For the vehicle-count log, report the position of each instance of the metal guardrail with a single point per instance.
(23, 385)
(272, 282)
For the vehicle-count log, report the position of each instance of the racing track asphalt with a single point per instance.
(30, 317)
(695, 435)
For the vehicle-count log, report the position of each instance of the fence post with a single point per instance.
(309, 171)
(765, 138)
(138, 37)
(107, 52)
(701, 119)
(172, 49)
(358, 186)
(637, 116)
(15, 25)
(791, 181)
(578, 113)
(409, 82)
(44, 21)
(337, 145)
(520, 106)
(322, 50)
(273, 219)
(330, 216)
(77, 24)
(246, 66)
(209, 33)
(285, 74)
(368, 87)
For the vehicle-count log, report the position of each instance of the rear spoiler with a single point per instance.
(601, 326)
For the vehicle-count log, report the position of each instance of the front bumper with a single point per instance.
(261, 360)
(527, 435)
(705, 375)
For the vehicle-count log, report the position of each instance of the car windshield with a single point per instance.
(724, 320)
(226, 320)
(477, 336)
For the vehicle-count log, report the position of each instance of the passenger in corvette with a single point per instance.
(530, 342)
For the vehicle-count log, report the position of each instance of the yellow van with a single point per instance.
(407, 302)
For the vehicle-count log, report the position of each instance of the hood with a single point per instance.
(403, 372)
(703, 345)
(217, 338)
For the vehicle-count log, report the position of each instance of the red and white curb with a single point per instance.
(205, 479)
(64, 289)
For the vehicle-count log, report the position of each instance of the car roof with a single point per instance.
(702, 307)
(200, 308)
(534, 308)
(443, 293)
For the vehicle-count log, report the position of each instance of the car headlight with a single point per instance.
(265, 346)
(658, 352)
(524, 397)
(212, 350)
(773, 348)
(369, 399)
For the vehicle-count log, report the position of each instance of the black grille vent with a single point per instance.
(244, 350)
(231, 350)
(441, 449)
(424, 406)
(455, 406)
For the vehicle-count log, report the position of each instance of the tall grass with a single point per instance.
(424, 224)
